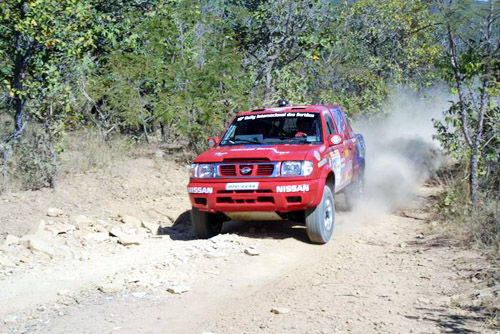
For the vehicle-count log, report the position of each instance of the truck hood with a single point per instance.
(273, 153)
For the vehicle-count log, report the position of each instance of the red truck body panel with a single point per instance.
(248, 176)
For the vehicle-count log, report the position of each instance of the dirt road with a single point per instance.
(381, 273)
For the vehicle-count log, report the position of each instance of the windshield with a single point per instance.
(276, 128)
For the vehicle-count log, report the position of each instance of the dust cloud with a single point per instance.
(401, 153)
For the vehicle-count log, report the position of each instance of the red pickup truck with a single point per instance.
(278, 163)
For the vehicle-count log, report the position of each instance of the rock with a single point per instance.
(11, 240)
(97, 236)
(112, 287)
(102, 226)
(131, 220)
(64, 292)
(80, 220)
(37, 245)
(177, 289)
(10, 320)
(38, 228)
(402, 245)
(54, 212)
(124, 238)
(251, 251)
(139, 294)
(151, 227)
(61, 228)
(159, 154)
(280, 310)
(214, 255)
(6, 262)
(423, 300)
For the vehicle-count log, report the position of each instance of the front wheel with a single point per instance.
(205, 224)
(320, 221)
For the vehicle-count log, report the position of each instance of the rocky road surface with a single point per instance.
(381, 273)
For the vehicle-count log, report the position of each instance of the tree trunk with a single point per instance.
(5, 168)
(473, 179)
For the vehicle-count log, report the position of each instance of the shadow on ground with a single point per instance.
(182, 229)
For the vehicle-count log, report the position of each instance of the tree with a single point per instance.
(473, 69)
(275, 34)
(39, 41)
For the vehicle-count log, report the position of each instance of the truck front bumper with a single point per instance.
(249, 196)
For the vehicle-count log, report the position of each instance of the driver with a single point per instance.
(304, 128)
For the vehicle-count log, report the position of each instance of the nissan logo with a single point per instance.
(246, 170)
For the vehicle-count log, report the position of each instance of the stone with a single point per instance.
(112, 287)
(80, 220)
(11, 240)
(61, 228)
(97, 236)
(139, 294)
(151, 227)
(64, 292)
(38, 228)
(6, 262)
(402, 245)
(159, 154)
(37, 245)
(251, 251)
(177, 289)
(55, 212)
(280, 310)
(10, 320)
(124, 238)
(131, 220)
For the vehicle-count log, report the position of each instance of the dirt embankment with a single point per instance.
(110, 261)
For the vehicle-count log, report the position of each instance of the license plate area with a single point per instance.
(242, 186)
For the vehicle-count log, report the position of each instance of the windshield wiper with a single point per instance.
(247, 141)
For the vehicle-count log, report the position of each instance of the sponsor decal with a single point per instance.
(317, 155)
(200, 190)
(294, 188)
(242, 186)
(273, 115)
(322, 162)
(336, 165)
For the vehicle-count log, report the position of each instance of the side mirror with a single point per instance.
(213, 141)
(335, 139)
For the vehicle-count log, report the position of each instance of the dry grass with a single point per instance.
(85, 151)
(477, 227)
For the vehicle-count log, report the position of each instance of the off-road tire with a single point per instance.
(205, 224)
(320, 221)
(355, 192)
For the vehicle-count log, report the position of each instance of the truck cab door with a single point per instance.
(348, 147)
(335, 152)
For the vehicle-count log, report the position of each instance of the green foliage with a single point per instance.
(471, 66)
(180, 69)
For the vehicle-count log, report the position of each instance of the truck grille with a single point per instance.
(247, 169)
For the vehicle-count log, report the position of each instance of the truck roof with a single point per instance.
(294, 108)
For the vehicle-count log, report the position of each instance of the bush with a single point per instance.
(34, 164)
(480, 225)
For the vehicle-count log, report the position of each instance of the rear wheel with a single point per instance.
(205, 224)
(355, 192)
(320, 221)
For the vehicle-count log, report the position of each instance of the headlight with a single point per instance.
(296, 168)
(202, 170)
